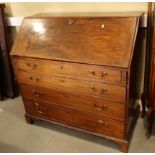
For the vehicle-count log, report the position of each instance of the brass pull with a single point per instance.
(104, 74)
(40, 112)
(70, 21)
(36, 80)
(92, 72)
(100, 108)
(33, 79)
(36, 104)
(101, 76)
(37, 93)
(38, 109)
(92, 87)
(33, 66)
(30, 77)
(102, 123)
(103, 90)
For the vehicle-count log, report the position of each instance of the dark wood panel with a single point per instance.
(7, 82)
(90, 122)
(112, 92)
(114, 110)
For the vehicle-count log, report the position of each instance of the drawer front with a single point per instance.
(74, 86)
(73, 70)
(75, 118)
(86, 103)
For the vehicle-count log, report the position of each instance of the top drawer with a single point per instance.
(72, 70)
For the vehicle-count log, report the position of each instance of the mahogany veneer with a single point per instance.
(78, 70)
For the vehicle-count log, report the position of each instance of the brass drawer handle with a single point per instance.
(92, 72)
(40, 112)
(37, 93)
(38, 109)
(102, 123)
(33, 66)
(36, 80)
(100, 108)
(33, 79)
(36, 104)
(103, 90)
(101, 76)
(92, 87)
(104, 74)
(30, 77)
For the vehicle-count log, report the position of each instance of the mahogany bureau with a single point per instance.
(78, 70)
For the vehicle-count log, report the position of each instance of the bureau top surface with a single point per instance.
(96, 38)
(87, 14)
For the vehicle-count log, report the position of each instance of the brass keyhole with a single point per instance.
(102, 26)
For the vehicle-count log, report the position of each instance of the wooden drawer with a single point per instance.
(112, 92)
(86, 103)
(72, 70)
(75, 118)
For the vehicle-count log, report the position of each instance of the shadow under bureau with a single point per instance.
(79, 70)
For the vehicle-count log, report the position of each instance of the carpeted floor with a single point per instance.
(18, 136)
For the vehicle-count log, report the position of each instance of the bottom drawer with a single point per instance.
(76, 118)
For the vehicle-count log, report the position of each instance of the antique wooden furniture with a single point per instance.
(7, 83)
(79, 70)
